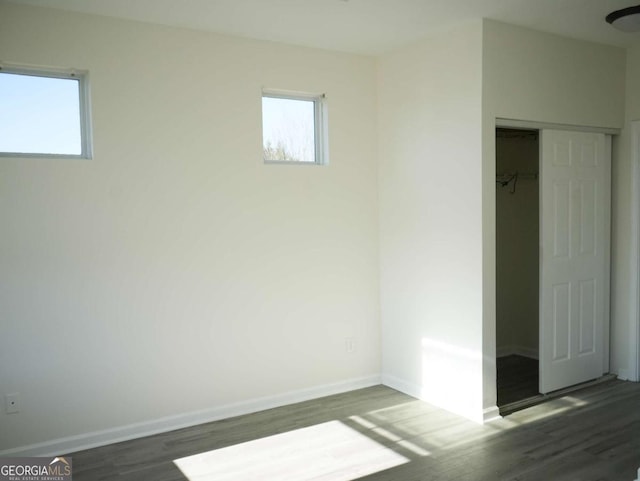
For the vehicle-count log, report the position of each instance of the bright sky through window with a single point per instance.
(40, 115)
(288, 129)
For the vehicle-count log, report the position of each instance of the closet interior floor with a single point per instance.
(517, 379)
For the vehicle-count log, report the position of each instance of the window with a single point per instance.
(293, 128)
(44, 113)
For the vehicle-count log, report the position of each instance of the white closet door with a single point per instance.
(575, 199)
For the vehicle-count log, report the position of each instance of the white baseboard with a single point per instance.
(401, 385)
(623, 374)
(491, 414)
(170, 423)
(416, 391)
(518, 351)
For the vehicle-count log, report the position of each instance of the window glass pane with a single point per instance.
(40, 115)
(288, 129)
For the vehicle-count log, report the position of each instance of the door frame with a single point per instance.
(633, 373)
(528, 124)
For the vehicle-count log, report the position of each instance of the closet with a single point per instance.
(553, 202)
(517, 264)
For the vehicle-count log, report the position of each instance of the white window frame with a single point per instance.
(321, 147)
(82, 76)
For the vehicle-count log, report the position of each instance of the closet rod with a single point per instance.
(520, 175)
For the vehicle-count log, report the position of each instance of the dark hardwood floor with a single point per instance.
(517, 378)
(378, 434)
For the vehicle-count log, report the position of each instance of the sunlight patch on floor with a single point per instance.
(576, 402)
(390, 436)
(330, 451)
(551, 408)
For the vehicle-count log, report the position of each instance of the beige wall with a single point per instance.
(431, 219)
(624, 301)
(534, 76)
(530, 75)
(517, 242)
(174, 272)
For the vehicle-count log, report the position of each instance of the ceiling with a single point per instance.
(360, 26)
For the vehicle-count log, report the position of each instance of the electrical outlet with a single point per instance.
(350, 344)
(12, 403)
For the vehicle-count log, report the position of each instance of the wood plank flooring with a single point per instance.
(590, 435)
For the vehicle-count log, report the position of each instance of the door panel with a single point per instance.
(587, 316)
(574, 257)
(561, 221)
(561, 321)
(588, 221)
